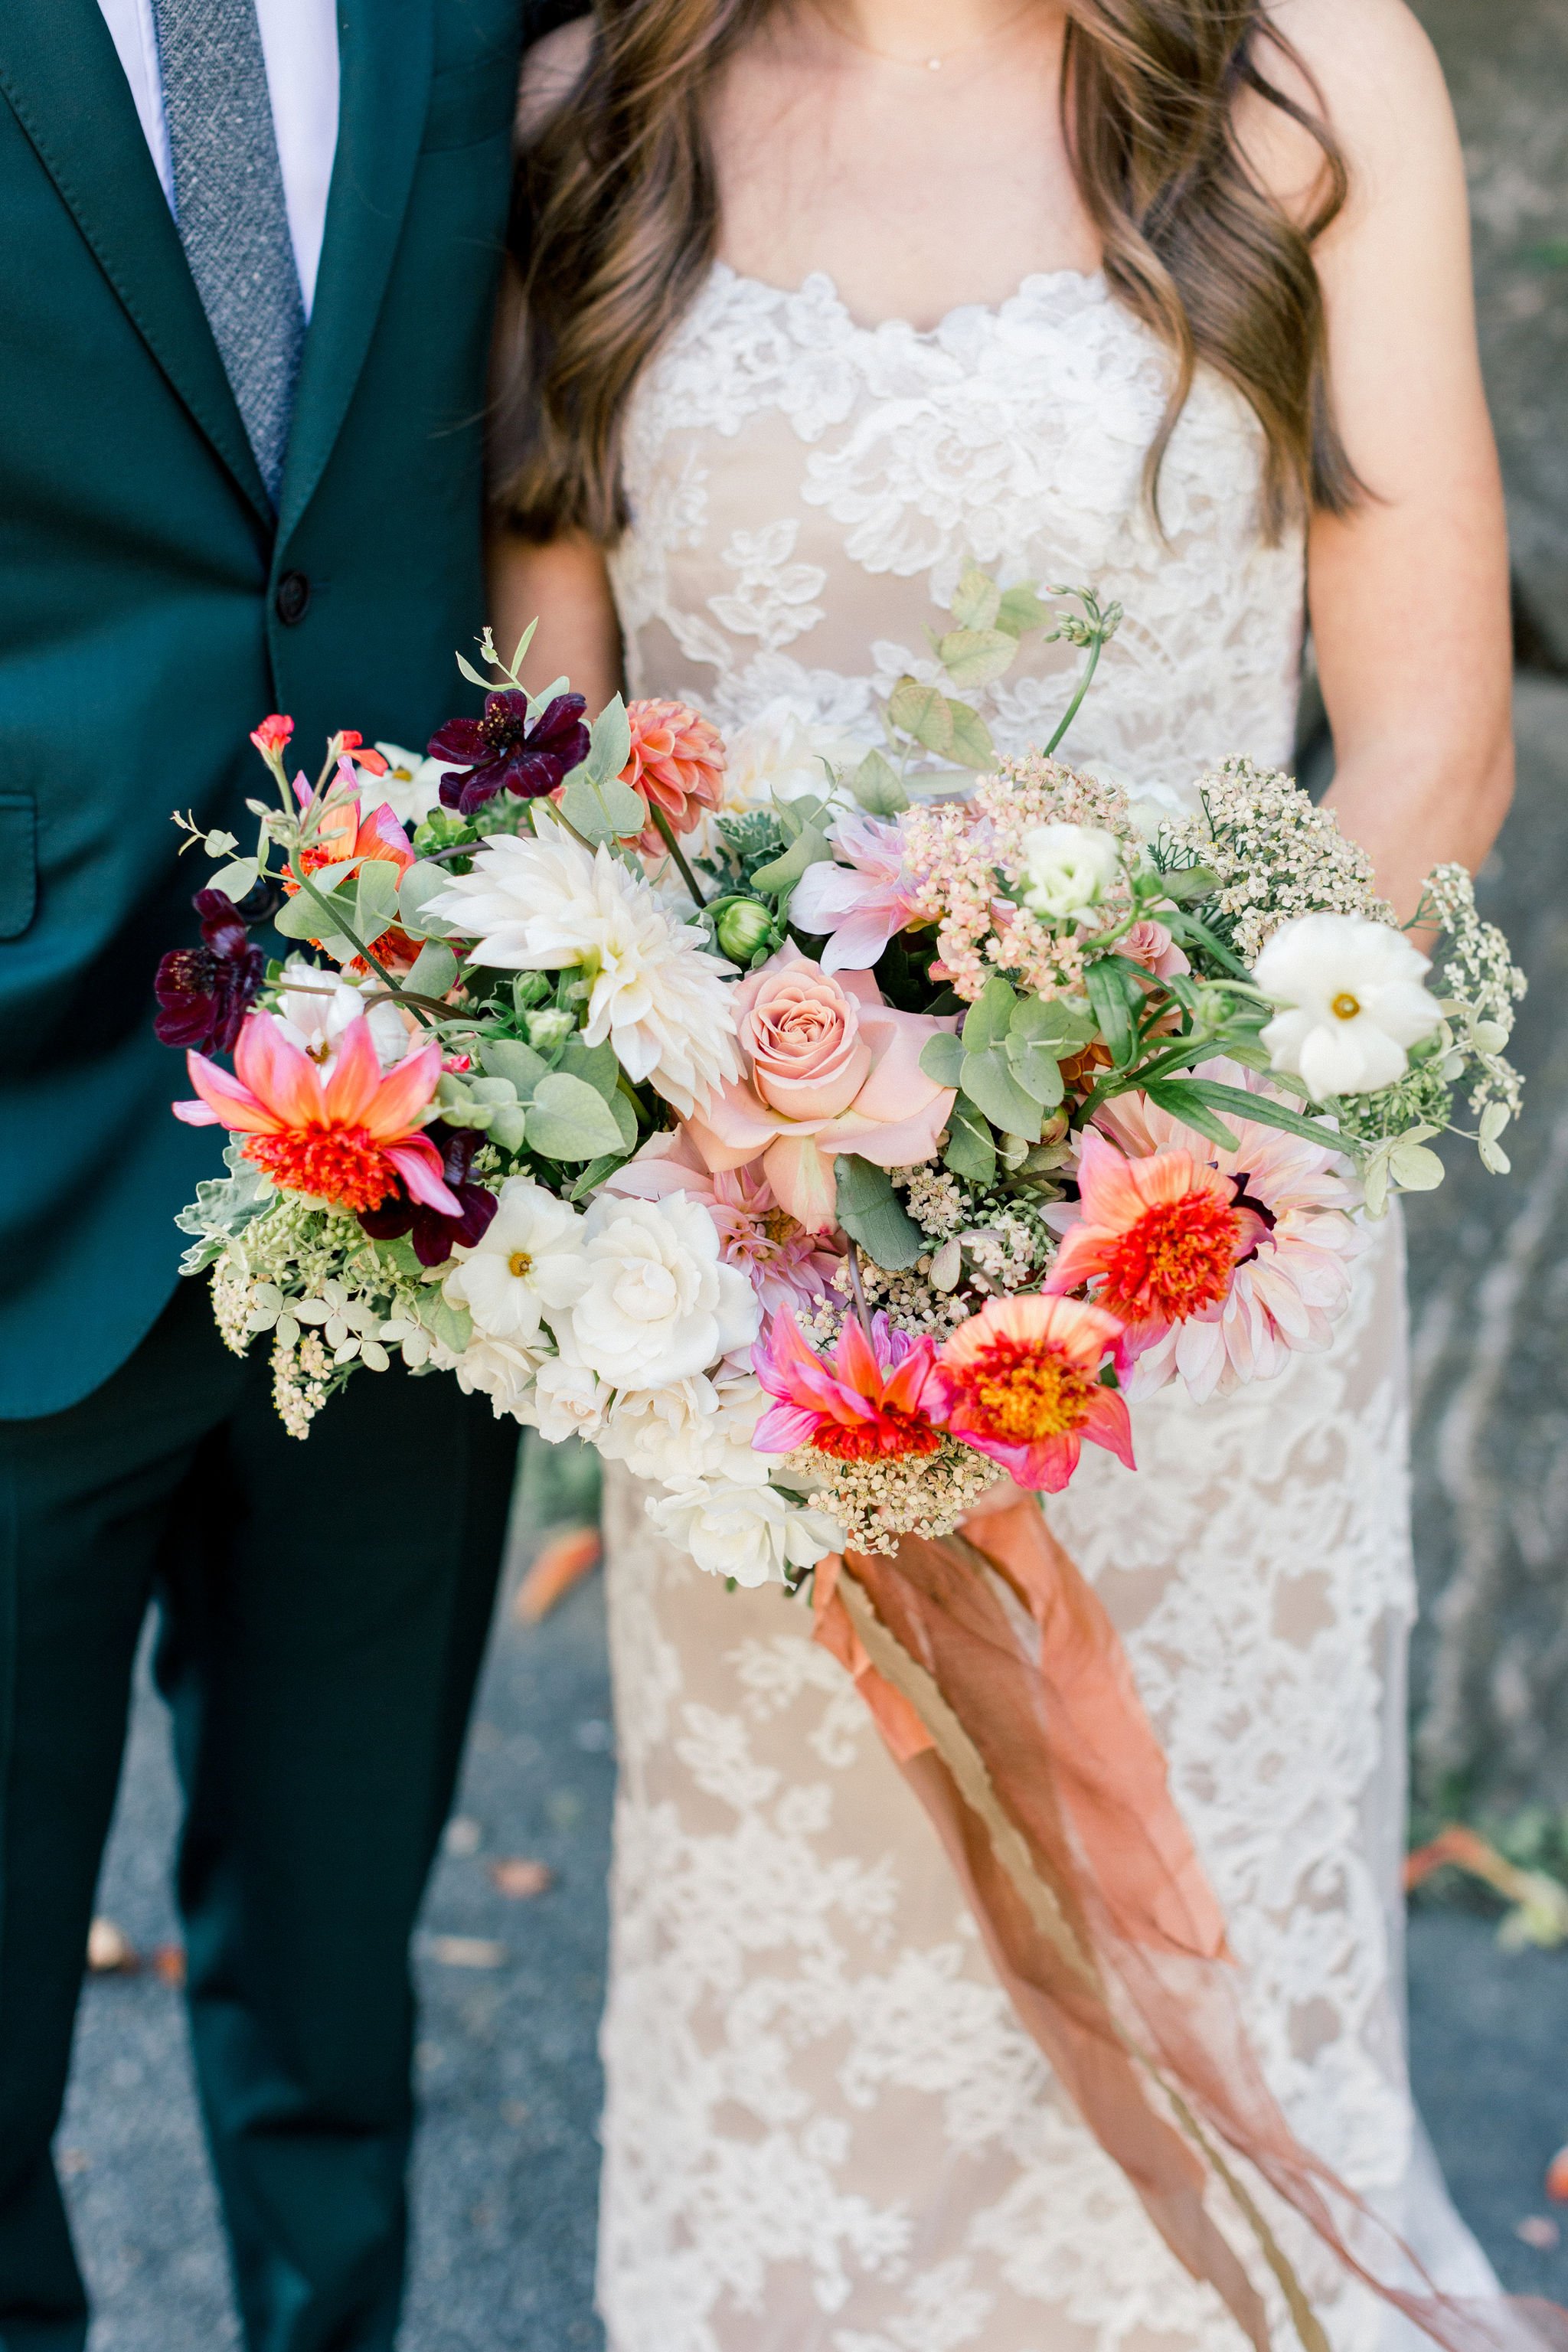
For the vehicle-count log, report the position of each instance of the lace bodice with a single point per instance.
(805, 492)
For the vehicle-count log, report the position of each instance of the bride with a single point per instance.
(1168, 298)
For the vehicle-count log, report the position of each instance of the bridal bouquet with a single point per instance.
(843, 1137)
(823, 1131)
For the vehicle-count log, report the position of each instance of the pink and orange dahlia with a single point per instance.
(1020, 1381)
(347, 1138)
(676, 763)
(870, 1401)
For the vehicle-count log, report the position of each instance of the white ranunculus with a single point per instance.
(1352, 1002)
(316, 1005)
(411, 786)
(528, 1262)
(544, 903)
(569, 1400)
(1068, 868)
(697, 1428)
(655, 1304)
(741, 1530)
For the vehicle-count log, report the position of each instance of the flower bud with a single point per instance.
(742, 928)
(552, 1026)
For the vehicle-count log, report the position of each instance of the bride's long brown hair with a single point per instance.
(617, 221)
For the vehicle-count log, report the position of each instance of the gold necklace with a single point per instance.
(930, 64)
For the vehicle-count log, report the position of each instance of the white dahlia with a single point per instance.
(1292, 1291)
(542, 903)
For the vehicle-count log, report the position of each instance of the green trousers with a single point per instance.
(323, 1608)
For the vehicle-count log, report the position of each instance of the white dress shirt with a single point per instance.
(299, 44)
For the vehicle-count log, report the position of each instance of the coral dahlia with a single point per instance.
(676, 763)
(1020, 1383)
(870, 1401)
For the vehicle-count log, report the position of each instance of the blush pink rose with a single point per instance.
(828, 1068)
(1151, 944)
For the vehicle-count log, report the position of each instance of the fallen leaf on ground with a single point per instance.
(1540, 1912)
(168, 1964)
(517, 1879)
(467, 1951)
(109, 1950)
(1557, 2178)
(1537, 2231)
(563, 1561)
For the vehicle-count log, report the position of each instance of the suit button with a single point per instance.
(292, 597)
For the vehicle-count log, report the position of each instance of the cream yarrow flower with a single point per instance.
(1352, 1001)
(544, 903)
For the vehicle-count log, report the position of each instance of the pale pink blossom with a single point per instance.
(1151, 944)
(860, 904)
(827, 1067)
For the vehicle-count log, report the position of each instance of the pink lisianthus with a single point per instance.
(827, 1067)
(860, 904)
(348, 1137)
(677, 765)
(1020, 1383)
(1289, 1292)
(870, 1399)
(1161, 1234)
(787, 1267)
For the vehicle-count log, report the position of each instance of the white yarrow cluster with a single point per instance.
(544, 903)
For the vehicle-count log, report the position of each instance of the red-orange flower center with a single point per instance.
(341, 1164)
(1176, 1260)
(893, 1434)
(1018, 1394)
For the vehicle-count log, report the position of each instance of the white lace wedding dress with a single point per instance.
(824, 2131)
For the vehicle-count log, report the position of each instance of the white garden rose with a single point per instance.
(527, 1262)
(697, 1428)
(1352, 1002)
(496, 1369)
(1068, 868)
(316, 1004)
(736, 1529)
(654, 1303)
(569, 1400)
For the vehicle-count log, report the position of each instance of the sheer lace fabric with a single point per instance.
(824, 2131)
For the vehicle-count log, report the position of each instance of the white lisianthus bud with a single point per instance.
(1352, 1002)
(1067, 870)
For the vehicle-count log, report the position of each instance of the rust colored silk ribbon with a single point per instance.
(1001, 1688)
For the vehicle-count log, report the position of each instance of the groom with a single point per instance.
(246, 298)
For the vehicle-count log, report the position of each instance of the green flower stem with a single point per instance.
(858, 1288)
(1085, 682)
(336, 923)
(666, 832)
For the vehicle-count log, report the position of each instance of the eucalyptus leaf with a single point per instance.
(809, 847)
(301, 917)
(1189, 884)
(376, 899)
(509, 1125)
(1021, 610)
(988, 1082)
(920, 711)
(435, 970)
(972, 746)
(421, 882)
(976, 598)
(970, 1152)
(585, 812)
(235, 880)
(609, 742)
(973, 658)
(941, 1058)
(473, 676)
(569, 1119)
(990, 1017)
(596, 1063)
(871, 1213)
(1036, 1069)
(875, 784)
(508, 1057)
(1052, 1020)
(1108, 993)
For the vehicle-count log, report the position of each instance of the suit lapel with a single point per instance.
(61, 73)
(385, 65)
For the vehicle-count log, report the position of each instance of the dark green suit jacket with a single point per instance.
(151, 608)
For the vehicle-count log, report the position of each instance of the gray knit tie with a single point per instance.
(228, 200)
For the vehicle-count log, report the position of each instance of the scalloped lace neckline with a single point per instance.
(820, 284)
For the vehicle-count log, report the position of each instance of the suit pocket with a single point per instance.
(18, 863)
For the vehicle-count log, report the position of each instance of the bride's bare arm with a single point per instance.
(566, 588)
(1409, 594)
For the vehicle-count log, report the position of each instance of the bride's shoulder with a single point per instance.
(1367, 66)
(551, 72)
